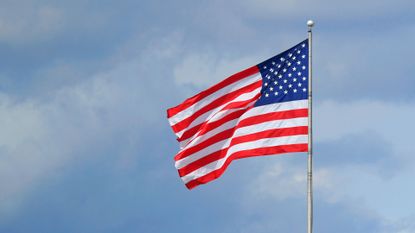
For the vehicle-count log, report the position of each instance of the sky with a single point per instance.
(85, 145)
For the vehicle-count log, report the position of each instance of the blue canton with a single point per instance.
(285, 76)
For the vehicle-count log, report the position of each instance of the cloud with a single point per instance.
(335, 119)
(110, 111)
(405, 225)
(288, 181)
(29, 22)
(275, 200)
(282, 182)
(363, 66)
(367, 149)
(36, 37)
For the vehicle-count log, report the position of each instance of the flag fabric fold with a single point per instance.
(262, 110)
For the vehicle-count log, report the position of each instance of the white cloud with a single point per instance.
(29, 22)
(37, 138)
(23, 22)
(391, 120)
(40, 136)
(290, 181)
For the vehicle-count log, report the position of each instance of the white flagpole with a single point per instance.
(310, 24)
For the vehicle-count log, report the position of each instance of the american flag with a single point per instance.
(262, 110)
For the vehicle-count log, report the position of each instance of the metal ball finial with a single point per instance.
(310, 23)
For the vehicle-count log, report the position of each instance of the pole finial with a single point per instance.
(310, 23)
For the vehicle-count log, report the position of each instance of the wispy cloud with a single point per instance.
(40, 136)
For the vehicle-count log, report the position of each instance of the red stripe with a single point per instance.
(241, 104)
(244, 154)
(202, 162)
(272, 133)
(273, 116)
(216, 103)
(217, 138)
(210, 125)
(232, 79)
(202, 129)
(272, 150)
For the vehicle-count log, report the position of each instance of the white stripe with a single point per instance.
(202, 153)
(277, 124)
(277, 107)
(209, 134)
(203, 170)
(214, 118)
(244, 146)
(210, 98)
(268, 142)
(202, 118)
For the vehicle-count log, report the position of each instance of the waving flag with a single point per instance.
(260, 111)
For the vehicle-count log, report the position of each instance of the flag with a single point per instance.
(262, 110)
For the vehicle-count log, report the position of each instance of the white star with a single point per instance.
(298, 62)
(290, 55)
(289, 75)
(298, 51)
(276, 72)
(289, 64)
(299, 73)
(276, 93)
(284, 70)
(290, 85)
(282, 59)
(304, 78)
(280, 76)
(279, 66)
(304, 90)
(273, 62)
(271, 88)
(285, 92)
(272, 70)
(299, 84)
(303, 45)
(265, 67)
(294, 58)
(303, 67)
(275, 82)
(266, 94)
(266, 84)
(280, 87)
(285, 80)
(303, 56)
(294, 68)
(295, 90)
(295, 79)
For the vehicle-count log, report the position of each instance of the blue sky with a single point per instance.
(85, 145)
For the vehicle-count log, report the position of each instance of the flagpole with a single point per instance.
(310, 24)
